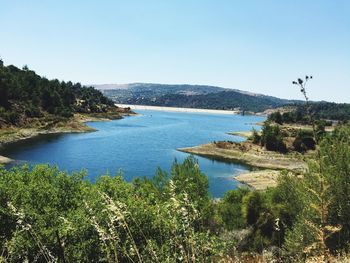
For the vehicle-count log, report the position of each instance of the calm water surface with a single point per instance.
(138, 145)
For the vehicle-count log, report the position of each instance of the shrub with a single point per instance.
(304, 141)
(272, 138)
(276, 117)
(230, 208)
(255, 138)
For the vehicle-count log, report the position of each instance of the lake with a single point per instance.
(138, 145)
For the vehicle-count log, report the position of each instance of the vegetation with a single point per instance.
(24, 95)
(296, 116)
(48, 215)
(272, 138)
(327, 110)
(304, 141)
(255, 137)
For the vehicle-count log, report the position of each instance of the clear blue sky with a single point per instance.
(259, 46)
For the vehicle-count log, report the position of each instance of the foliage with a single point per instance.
(252, 205)
(272, 138)
(323, 221)
(48, 215)
(276, 117)
(230, 208)
(298, 115)
(255, 137)
(327, 110)
(304, 141)
(315, 231)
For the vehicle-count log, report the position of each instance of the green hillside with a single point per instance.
(25, 95)
(222, 100)
(328, 110)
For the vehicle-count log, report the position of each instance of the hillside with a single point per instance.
(189, 96)
(327, 110)
(25, 96)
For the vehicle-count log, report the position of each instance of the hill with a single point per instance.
(328, 110)
(25, 96)
(189, 96)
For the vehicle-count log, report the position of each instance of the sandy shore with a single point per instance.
(248, 154)
(259, 180)
(244, 134)
(4, 160)
(254, 156)
(175, 109)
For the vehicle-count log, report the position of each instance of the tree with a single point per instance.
(272, 138)
(276, 117)
(304, 141)
(256, 137)
(230, 208)
(252, 207)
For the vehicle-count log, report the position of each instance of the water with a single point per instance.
(137, 145)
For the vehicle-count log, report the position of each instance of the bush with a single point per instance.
(276, 117)
(10, 116)
(230, 208)
(304, 141)
(252, 205)
(31, 111)
(255, 138)
(272, 138)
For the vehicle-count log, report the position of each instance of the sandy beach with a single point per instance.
(175, 109)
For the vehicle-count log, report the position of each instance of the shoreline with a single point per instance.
(5, 160)
(268, 164)
(259, 159)
(177, 109)
(258, 180)
(75, 125)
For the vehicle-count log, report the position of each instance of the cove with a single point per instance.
(138, 145)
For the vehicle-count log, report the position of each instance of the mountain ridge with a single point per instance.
(191, 96)
(111, 86)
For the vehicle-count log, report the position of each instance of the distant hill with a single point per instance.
(189, 96)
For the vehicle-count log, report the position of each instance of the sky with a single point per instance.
(254, 45)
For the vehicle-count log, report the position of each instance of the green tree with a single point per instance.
(304, 141)
(256, 137)
(276, 117)
(272, 138)
(252, 207)
(230, 208)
